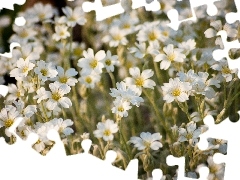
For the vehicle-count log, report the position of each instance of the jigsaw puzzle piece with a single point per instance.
(180, 162)
(234, 16)
(3, 90)
(110, 156)
(86, 145)
(173, 14)
(12, 46)
(103, 12)
(217, 131)
(58, 150)
(154, 5)
(9, 4)
(157, 174)
(224, 53)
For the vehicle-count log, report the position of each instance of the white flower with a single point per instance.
(41, 130)
(106, 130)
(127, 93)
(154, 48)
(140, 50)
(42, 94)
(23, 34)
(149, 33)
(8, 116)
(171, 54)
(91, 62)
(126, 22)
(45, 70)
(66, 77)
(63, 126)
(176, 90)
(191, 134)
(75, 16)
(41, 12)
(187, 46)
(190, 76)
(216, 170)
(90, 80)
(109, 61)
(203, 86)
(23, 67)
(56, 97)
(121, 107)
(222, 66)
(15, 91)
(116, 37)
(147, 141)
(85, 135)
(27, 52)
(61, 32)
(140, 79)
(217, 26)
(25, 111)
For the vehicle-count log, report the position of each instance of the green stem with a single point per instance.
(124, 141)
(157, 70)
(44, 112)
(112, 79)
(64, 114)
(160, 119)
(184, 108)
(78, 118)
(228, 101)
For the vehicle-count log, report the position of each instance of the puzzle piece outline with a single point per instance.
(174, 16)
(219, 54)
(22, 150)
(216, 131)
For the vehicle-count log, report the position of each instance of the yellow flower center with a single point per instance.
(189, 136)
(165, 33)
(171, 57)
(44, 72)
(63, 79)
(117, 37)
(77, 52)
(88, 80)
(139, 81)
(108, 62)
(146, 143)
(56, 96)
(226, 70)
(72, 18)
(8, 123)
(107, 132)
(126, 26)
(176, 92)
(129, 64)
(23, 34)
(120, 109)
(62, 33)
(25, 69)
(18, 94)
(152, 36)
(94, 63)
(162, 5)
(41, 16)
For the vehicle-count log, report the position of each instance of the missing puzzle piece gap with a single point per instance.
(101, 11)
(173, 14)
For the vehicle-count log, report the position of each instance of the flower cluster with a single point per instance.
(154, 85)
